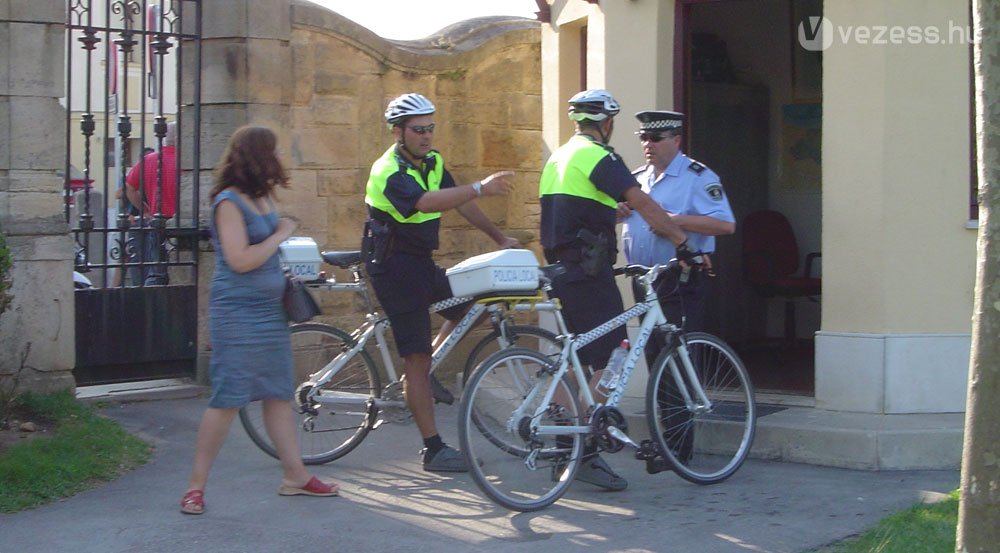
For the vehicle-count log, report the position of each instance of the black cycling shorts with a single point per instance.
(406, 290)
(586, 303)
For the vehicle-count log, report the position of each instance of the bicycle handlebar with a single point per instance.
(650, 274)
(636, 269)
(548, 273)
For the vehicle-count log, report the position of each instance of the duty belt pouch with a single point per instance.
(595, 254)
(376, 244)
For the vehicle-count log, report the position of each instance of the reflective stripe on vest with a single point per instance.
(390, 164)
(568, 171)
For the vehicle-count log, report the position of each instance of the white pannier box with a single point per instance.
(500, 271)
(300, 255)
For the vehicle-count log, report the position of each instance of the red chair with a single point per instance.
(771, 263)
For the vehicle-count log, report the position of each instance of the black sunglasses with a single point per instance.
(421, 129)
(649, 137)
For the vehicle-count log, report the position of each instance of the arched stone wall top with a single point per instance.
(452, 47)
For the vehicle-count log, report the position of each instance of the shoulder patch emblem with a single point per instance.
(714, 191)
(697, 166)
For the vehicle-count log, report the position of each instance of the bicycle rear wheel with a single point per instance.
(522, 336)
(515, 467)
(325, 432)
(704, 446)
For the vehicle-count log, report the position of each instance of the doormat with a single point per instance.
(734, 411)
(765, 410)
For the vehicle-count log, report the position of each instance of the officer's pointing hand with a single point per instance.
(498, 184)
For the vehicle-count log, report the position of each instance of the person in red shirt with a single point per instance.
(158, 194)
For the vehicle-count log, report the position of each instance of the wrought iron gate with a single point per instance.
(133, 82)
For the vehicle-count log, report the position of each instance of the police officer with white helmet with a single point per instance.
(580, 189)
(407, 190)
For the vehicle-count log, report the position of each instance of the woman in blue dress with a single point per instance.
(251, 343)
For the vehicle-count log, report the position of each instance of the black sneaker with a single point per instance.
(447, 459)
(440, 393)
(597, 472)
(657, 465)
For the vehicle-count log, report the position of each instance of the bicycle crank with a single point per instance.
(611, 429)
(622, 437)
(392, 395)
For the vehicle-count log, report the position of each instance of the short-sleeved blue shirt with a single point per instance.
(686, 187)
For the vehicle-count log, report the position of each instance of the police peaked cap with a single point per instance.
(656, 121)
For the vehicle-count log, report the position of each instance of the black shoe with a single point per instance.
(657, 464)
(597, 472)
(447, 459)
(441, 394)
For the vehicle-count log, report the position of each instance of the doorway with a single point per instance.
(754, 101)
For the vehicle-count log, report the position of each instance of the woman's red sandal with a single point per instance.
(193, 502)
(315, 487)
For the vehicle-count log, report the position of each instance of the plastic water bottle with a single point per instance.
(609, 379)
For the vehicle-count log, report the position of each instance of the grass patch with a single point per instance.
(83, 450)
(927, 528)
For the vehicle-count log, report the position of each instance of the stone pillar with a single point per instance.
(37, 331)
(246, 79)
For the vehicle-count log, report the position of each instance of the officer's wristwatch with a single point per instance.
(478, 187)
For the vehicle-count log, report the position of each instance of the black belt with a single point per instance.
(571, 255)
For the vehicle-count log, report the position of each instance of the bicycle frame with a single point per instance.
(569, 360)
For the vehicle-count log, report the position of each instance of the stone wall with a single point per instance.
(318, 79)
(322, 82)
(37, 332)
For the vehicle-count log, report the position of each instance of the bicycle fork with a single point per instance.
(703, 404)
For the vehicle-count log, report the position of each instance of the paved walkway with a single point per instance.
(389, 504)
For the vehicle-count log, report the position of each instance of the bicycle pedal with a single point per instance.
(647, 451)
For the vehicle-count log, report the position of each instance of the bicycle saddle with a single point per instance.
(344, 260)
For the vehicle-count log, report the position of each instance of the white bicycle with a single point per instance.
(524, 418)
(339, 396)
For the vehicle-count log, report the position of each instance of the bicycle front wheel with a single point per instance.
(513, 464)
(705, 444)
(325, 431)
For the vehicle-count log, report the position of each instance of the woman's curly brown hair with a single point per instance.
(250, 163)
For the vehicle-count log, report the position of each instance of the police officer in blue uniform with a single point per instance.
(580, 189)
(693, 195)
(407, 190)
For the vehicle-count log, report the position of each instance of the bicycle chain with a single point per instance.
(604, 418)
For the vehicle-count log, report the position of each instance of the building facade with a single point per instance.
(852, 118)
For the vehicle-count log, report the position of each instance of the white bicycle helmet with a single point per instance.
(593, 105)
(407, 105)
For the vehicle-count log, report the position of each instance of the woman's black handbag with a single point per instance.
(298, 301)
